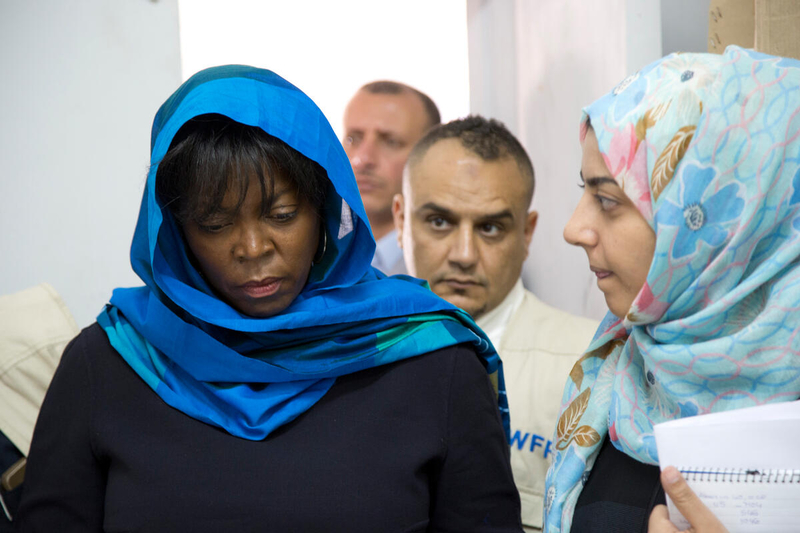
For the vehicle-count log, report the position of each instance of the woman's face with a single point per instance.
(258, 264)
(617, 239)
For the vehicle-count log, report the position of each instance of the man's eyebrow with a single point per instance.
(505, 213)
(388, 133)
(433, 206)
(597, 181)
(436, 208)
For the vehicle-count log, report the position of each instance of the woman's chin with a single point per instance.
(619, 307)
(260, 307)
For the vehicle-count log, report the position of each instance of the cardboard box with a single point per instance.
(777, 27)
(769, 26)
(731, 22)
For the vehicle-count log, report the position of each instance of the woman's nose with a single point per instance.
(580, 230)
(252, 242)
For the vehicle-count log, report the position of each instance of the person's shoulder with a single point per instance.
(441, 362)
(536, 325)
(91, 337)
(90, 348)
(434, 370)
(422, 384)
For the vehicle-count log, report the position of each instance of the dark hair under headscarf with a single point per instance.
(211, 154)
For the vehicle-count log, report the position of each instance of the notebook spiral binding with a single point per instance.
(742, 475)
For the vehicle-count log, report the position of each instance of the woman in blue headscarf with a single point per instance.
(690, 219)
(266, 378)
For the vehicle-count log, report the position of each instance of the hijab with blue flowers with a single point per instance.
(250, 375)
(708, 149)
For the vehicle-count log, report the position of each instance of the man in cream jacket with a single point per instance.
(464, 224)
(35, 326)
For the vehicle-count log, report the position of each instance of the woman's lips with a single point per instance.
(260, 289)
(601, 274)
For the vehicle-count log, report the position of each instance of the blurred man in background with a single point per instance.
(382, 123)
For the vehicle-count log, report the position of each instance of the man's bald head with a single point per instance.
(394, 87)
(489, 139)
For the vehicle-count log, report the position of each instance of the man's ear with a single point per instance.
(398, 214)
(530, 226)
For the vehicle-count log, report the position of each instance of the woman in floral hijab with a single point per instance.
(691, 222)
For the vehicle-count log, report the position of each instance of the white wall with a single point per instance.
(536, 64)
(494, 68)
(82, 81)
(684, 25)
(329, 49)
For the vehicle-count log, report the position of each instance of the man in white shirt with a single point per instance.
(382, 122)
(464, 224)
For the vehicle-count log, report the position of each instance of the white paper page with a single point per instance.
(750, 507)
(757, 439)
(760, 444)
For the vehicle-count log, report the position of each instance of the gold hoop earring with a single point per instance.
(324, 248)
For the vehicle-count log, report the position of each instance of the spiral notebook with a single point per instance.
(744, 464)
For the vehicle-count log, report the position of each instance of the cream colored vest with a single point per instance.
(35, 327)
(539, 347)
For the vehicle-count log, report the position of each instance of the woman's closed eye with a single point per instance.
(283, 213)
(213, 227)
(598, 184)
(606, 204)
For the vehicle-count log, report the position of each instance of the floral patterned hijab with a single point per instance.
(708, 149)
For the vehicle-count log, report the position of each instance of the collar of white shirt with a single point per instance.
(387, 252)
(495, 321)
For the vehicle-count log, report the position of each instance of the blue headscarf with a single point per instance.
(251, 375)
